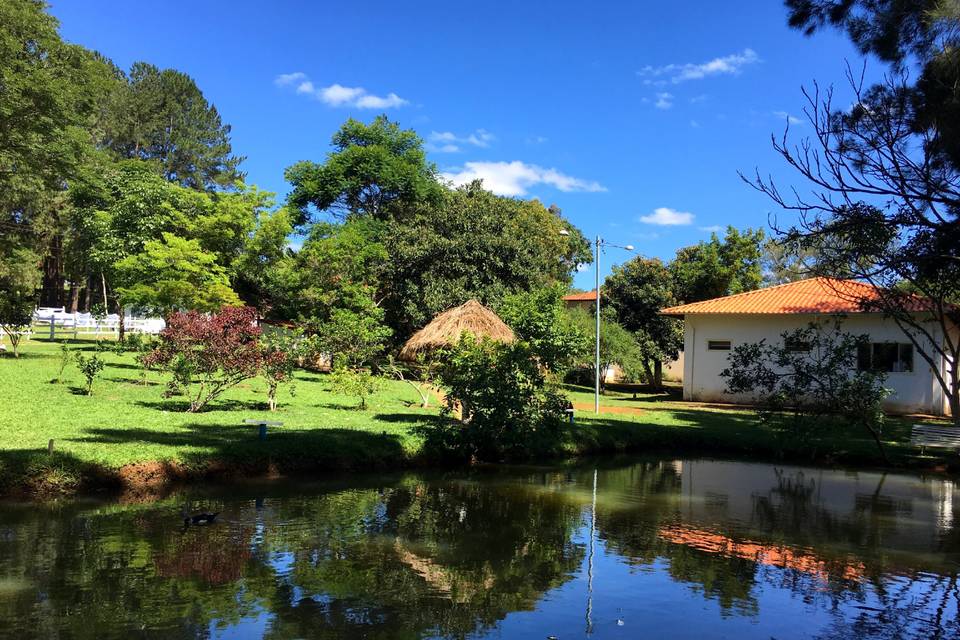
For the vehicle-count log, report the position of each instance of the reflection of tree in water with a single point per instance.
(915, 607)
(445, 559)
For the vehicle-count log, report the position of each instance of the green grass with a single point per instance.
(125, 422)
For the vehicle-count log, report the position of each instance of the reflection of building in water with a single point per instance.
(768, 554)
(910, 513)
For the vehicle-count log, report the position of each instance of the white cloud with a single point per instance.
(792, 120)
(449, 142)
(515, 178)
(337, 95)
(664, 100)
(714, 228)
(694, 124)
(677, 73)
(285, 79)
(665, 216)
(537, 139)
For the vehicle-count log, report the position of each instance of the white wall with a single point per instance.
(913, 392)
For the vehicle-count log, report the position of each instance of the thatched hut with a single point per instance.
(447, 327)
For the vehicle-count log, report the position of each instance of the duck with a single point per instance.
(197, 519)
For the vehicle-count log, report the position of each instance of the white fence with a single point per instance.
(50, 322)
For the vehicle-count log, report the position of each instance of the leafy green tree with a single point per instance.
(19, 278)
(174, 274)
(161, 116)
(352, 339)
(507, 406)
(474, 245)
(717, 267)
(539, 318)
(924, 33)
(637, 291)
(885, 206)
(340, 266)
(90, 368)
(375, 169)
(618, 346)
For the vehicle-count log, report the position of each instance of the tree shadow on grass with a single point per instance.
(180, 405)
(284, 450)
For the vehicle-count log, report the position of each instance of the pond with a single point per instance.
(622, 548)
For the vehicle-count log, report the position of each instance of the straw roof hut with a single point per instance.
(447, 327)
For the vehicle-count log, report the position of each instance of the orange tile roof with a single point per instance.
(586, 296)
(815, 295)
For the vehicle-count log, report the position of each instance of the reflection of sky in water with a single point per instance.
(693, 549)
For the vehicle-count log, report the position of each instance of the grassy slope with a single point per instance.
(125, 422)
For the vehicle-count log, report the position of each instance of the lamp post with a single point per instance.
(600, 242)
(596, 378)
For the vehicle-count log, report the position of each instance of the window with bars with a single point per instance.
(890, 357)
(718, 345)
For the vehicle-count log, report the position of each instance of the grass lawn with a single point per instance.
(126, 422)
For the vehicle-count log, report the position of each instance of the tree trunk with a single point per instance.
(658, 375)
(74, 296)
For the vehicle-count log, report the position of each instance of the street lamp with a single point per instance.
(596, 372)
(596, 378)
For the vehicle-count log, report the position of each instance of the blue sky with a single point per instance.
(627, 115)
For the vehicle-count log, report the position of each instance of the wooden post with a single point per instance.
(50, 446)
(263, 431)
(51, 326)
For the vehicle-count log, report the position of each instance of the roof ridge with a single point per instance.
(763, 290)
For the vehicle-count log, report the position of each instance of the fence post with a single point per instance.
(51, 327)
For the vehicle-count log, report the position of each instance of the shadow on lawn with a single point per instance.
(283, 450)
(180, 405)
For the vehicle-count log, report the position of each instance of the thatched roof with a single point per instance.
(447, 327)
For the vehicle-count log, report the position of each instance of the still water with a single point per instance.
(632, 548)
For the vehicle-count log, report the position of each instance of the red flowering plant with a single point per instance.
(209, 353)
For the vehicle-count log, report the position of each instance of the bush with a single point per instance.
(507, 406)
(810, 373)
(359, 384)
(208, 354)
(90, 368)
(281, 352)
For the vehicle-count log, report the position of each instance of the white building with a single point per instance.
(713, 327)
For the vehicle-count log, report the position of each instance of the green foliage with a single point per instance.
(718, 268)
(173, 274)
(378, 170)
(338, 267)
(540, 319)
(637, 291)
(474, 245)
(618, 346)
(810, 372)
(352, 339)
(66, 355)
(16, 300)
(90, 367)
(923, 33)
(356, 383)
(162, 117)
(507, 406)
(282, 350)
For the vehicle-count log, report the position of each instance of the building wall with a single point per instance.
(913, 392)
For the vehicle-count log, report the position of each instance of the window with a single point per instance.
(890, 357)
(797, 346)
(718, 345)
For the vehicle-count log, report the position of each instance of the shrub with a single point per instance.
(208, 354)
(66, 355)
(359, 384)
(508, 408)
(90, 368)
(810, 373)
(16, 315)
(281, 352)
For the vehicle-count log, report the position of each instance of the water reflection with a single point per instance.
(652, 547)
